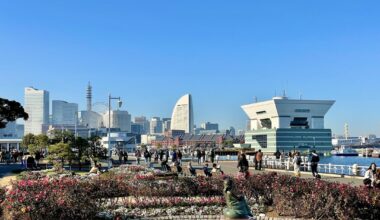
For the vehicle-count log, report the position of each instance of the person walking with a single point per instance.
(199, 156)
(146, 156)
(161, 155)
(314, 164)
(179, 156)
(243, 165)
(297, 164)
(138, 156)
(203, 156)
(259, 159)
(174, 156)
(125, 156)
(212, 155)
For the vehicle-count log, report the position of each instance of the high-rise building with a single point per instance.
(166, 124)
(136, 128)
(145, 127)
(155, 125)
(182, 117)
(287, 124)
(119, 119)
(210, 126)
(37, 107)
(64, 113)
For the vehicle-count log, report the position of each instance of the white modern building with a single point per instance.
(64, 113)
(120, 141)
(119, 119)
(288, 124)
(37, 107)
(10, 144)
(182, 117)
(148, 138)
(91, 119)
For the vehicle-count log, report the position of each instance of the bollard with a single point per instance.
(355, 170)
(288, 164)
(330, 167)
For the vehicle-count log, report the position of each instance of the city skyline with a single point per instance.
(224, 54)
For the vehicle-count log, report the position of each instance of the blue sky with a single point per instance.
(222, 52)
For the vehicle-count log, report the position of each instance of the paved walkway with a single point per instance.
(230, 168)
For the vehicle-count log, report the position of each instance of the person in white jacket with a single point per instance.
(297, 164)
(369, 178)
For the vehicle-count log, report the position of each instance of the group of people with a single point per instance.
(202, 155)
(123, 156)
(11, 156)
(243, 163)
(216, 170)
(372, 176)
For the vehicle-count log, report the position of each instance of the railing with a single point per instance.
(287, 164)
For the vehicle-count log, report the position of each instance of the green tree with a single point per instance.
(82, 151)
(28, 140)
(97, 151)
(11, 111)
(59, 153)
(64, 136)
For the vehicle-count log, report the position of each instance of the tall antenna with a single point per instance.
(284, 93)
(255, 98)
(346, 131)
(89, 97)
(300, 95)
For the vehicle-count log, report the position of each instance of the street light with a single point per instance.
(109, 127)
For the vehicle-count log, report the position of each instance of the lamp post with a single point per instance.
(109, 126)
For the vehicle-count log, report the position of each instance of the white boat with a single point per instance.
(344, 151)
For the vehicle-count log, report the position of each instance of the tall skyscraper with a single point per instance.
(64, 113)
(166, 124)
(119, 119)
(156, 125)
(37, 106)
(182, 117)
(145, 127)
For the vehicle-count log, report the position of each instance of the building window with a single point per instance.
(302, 110)
(262, 140)
(261, 112)
(266, 123)
(299, 122)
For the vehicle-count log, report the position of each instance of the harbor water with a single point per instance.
(343, 160)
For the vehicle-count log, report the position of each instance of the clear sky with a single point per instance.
(222, 52)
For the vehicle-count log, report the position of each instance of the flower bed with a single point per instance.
(155, 202)
(74, 197)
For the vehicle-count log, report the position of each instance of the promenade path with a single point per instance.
(229, 167)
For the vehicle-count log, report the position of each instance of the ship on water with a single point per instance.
(344, 151)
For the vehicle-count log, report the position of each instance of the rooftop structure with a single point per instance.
(286, 124)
